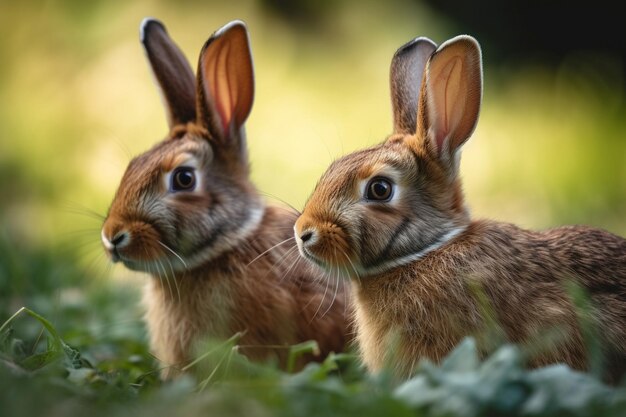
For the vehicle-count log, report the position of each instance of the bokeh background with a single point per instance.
(77, 101)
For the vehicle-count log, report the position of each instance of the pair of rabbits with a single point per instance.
(391, 218)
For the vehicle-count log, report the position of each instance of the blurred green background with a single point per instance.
(77, 100)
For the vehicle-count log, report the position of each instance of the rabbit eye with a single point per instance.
(379, 189)
(183, 179)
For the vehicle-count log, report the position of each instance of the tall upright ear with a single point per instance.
(450, 98)
(407, 69)
(171, 70)
(225, 81)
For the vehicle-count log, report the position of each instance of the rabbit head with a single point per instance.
(189, 198)
(390, 204)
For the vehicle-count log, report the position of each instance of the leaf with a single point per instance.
(39, 360)
(225, 345)
(17, 349)
(5, 338)
(73, 358)
(464, 357)
(82, 376)
(56, 342)
(418, 392)
(56, 347)
(505, 364)
(296, 351)
(559, 389)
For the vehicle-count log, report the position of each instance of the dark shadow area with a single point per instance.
(545, 31)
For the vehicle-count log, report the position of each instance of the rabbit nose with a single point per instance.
(120, 239)
(306, 236)
(305, 231)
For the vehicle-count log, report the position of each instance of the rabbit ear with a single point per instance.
(450, 97)
(171, 70)
(407, 69)
(225, 81)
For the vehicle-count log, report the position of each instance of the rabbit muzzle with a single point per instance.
(323, 242)
(134, 243)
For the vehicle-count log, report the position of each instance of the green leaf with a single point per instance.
(73, 358)
(39, 360)
(5, 339)
(296, 351)
(559, 389)
(464, 357)
(56, 342)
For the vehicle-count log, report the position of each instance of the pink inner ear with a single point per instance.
(221, 87)
(445, 103)
(228, 81)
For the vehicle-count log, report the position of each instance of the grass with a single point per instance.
(63, 381)
(74, 351)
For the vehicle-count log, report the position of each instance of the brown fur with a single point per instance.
(425, 275)
(431, 305)
(274, 302)
(221, 260)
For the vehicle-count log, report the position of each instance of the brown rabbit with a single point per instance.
(392, 217)
(187, 213)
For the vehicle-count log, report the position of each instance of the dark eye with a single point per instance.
(379, 189)
(183, 179)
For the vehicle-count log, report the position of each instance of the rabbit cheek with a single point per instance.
(143, 245)
(382, 238)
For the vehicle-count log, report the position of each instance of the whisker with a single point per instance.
(323, 298)
(332, 301)
(98, 266)
(356, 272)
(167, 277)
(73, 247)
(319, 307)
(122, 146)
(99, 274)
(277, 265)
(77, 208)
(174, 253)
(266, 194)
(273, 228)
(80, 236)
(81, 232)
(292, 266)
(346, 299)
(286, 255)
(155, 273)
(174, 279)
(272, 248)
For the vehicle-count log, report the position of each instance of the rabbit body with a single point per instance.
(271, 301)
(187, 213)
(424, 274)
(425, 308)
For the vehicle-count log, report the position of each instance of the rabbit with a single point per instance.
(187, 213)
(392, 218)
